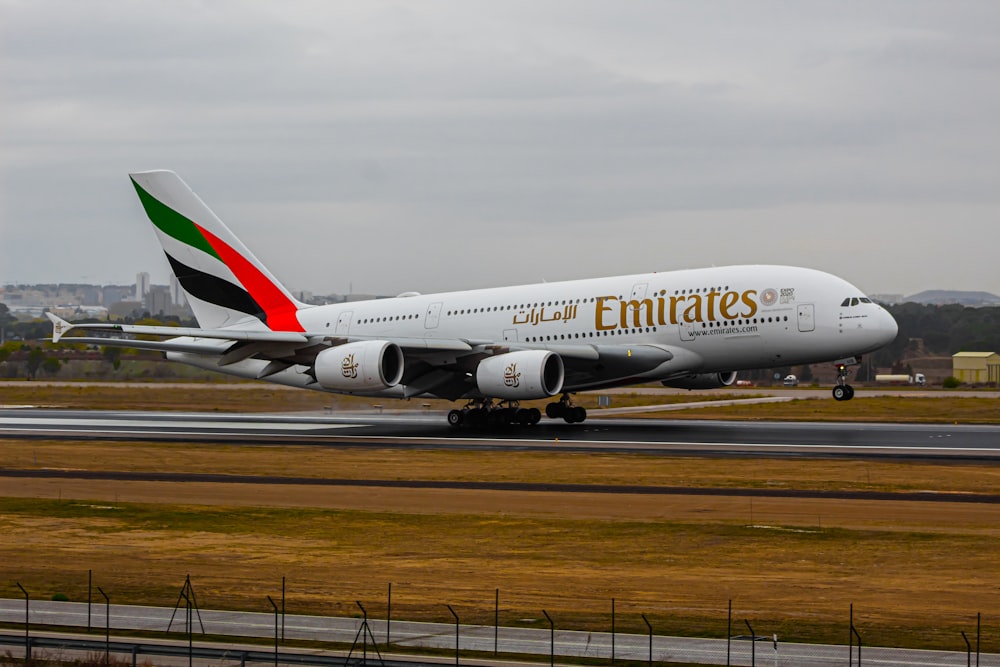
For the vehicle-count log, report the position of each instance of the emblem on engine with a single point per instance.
(511, 377)
(349, 367)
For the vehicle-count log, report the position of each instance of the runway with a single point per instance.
(427, 430)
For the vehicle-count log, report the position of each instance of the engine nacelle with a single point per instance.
(365, 366)
(521, 375)
(703, 381)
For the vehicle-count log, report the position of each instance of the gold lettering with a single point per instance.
(674, 300)
(636, 307)
(693, 312)
(660, 306)
(729, 300)
(712, 296)
(748, 299)
(599, 313)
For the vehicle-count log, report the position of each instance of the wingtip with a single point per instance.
(59, 326)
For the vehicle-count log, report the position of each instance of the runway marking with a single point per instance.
(83, 423)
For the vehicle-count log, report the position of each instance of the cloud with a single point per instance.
(553, 130)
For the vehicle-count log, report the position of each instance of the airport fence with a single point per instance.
(744, 639)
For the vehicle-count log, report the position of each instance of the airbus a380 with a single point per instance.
(492, 347)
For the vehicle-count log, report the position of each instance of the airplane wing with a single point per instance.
(440, 366)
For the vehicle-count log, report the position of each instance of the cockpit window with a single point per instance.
(846, 303)
(865, 299)
(854, 301)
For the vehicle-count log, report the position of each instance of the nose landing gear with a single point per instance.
(843, 391)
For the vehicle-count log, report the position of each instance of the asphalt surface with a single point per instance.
(428, 430)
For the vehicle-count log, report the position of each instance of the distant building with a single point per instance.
(141, 286)
(976, 367)
(158, 300)
(112, 294)
(177, 295)
(887, 299)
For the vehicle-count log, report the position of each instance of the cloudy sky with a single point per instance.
(395, 146)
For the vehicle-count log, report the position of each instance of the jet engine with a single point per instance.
(365, 366)
(521, 375)
(703, 381)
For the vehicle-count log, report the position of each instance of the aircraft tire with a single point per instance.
(455, 418)
(840, 393)
(850, 392)
(554, 410)
(534, 416)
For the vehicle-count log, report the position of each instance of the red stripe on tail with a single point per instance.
(280, 310)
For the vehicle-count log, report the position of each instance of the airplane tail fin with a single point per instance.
(225, 284)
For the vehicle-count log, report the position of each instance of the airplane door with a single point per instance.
(639, 291)
(510, 335)
(344, 323)
(433, 315)
(807, 318)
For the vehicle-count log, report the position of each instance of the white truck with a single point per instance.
(901, 378)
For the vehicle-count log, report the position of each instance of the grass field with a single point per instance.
(917, 572)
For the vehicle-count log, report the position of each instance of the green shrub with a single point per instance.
(951, 382)
(60, 597)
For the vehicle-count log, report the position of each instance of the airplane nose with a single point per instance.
(887, 326)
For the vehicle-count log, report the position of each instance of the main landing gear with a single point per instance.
(483, 413)
(573, 414)
(843, 391)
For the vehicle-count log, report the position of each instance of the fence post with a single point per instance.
(27, 623)
(456, 631)
(612, 631)
(753, 644)
(729, 631)
(388, 617)
(968, 650)
(648, 625)
(496, 623)
(275, 630)
(552, 639)
(107, 626)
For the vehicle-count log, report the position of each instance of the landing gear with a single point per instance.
(843, 391)
(573, 414)
(483, 413)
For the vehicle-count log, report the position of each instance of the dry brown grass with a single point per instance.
(913, 570)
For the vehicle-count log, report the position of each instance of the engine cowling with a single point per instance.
(521, 375)
(703, 381)
(365, 366)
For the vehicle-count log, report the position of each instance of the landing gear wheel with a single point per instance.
(455, 418)
(843, 392)
(534, 416)
(554, 410)
(575, 415)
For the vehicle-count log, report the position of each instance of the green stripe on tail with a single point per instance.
(172, 223)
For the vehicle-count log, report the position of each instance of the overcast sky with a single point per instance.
(429, 146)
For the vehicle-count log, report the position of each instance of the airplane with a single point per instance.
(492, 348)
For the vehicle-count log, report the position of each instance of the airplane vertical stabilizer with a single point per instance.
(225, 284)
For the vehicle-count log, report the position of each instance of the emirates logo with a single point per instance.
(511, 377)
(349, 367)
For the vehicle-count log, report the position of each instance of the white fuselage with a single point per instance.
(713, 320)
